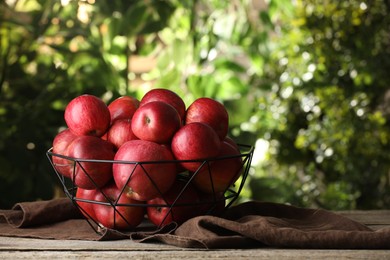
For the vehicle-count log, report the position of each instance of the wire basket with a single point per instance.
(212, 204)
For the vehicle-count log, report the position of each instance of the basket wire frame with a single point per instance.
(230, 195)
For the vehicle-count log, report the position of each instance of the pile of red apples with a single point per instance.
(150, 158)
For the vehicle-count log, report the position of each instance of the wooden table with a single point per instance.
(18, 248)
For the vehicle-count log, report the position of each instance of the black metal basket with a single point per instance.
(229, 195)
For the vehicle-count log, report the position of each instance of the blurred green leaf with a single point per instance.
(272, 189)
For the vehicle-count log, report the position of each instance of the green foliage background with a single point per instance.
(304, 81)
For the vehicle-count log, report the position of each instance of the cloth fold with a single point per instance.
(52, 219)
(36, 213)
(262, 224)
(247, 225)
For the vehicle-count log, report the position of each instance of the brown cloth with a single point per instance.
(52, 219)
(247, 225)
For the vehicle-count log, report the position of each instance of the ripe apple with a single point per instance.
(86, 207)
(230, 140)
(123, 108)
(120, 132)
(149, 175)
(167, 96)
(91, 175)
(211, 112)
(87, 115)
(120, 211)
(156, 121)
(61, 143)
(195, 141)
(220, 174)
(177, 204)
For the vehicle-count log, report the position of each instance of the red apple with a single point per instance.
(156, 122)
(120, 211)
(87, 115)
(123, 107)
(61, 143)
(149, 175)
(195, 141)
(220, 174)
(120, 132)
(211, 112)
(86, 207)
(167, 96)
(178, 204)
(91, 175)
(229, 140)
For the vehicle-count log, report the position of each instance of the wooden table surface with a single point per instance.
(25, 248)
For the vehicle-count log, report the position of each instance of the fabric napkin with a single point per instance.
(247, 225)
(52, 219)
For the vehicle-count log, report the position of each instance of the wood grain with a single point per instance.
(25, 248)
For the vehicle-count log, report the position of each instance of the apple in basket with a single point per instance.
(120, 132)
(61, 143)
(167, 96)
(86, 207)
(156, 121)
(230, 141)
(220, 174)
(195, 141)
(123, 107)
(87, 115)
(178, 204)
(120, 211)
(149, 174)
(211, 112)
(91, 175)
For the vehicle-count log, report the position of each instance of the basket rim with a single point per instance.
(242, 154)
